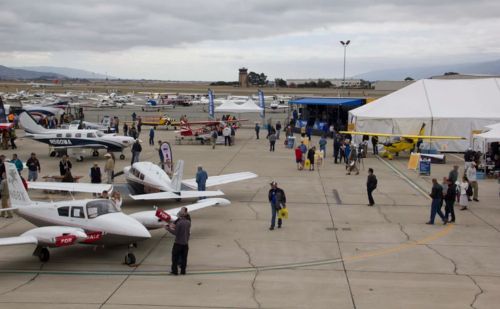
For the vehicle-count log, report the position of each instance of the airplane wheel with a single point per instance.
(129, 259)
(122, 157)
(95, 153)
(79, 159)
(44, 255)
(53, 154)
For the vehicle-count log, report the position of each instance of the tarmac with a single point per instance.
(333, 252)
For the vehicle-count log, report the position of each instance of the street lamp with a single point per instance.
(345, 49)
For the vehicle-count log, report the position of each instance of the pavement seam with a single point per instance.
(379, 209)
(476, 296)
(338, 245)
(32, 279)
(455, 268)
(401, 228)
(254, 281)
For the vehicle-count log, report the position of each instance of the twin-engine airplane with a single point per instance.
(67, 139)
(90, 221)
(402, 142)
(149, 182)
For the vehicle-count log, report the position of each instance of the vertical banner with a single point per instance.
(262, 104)
(166, 150)
(211, 107)
(3, 115)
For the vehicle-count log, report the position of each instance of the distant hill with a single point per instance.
(484, 68)
(10, 73)
(69, 72)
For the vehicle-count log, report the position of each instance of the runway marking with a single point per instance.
(369, 254)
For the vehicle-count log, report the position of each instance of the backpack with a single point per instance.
(469, 190)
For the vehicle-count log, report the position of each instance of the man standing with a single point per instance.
(272, 141)
(371, 185)
(257, 129)
(277, 199)
(95, 174)
(453, 175)
(201, 179)
(33, 167)
(213, 137)
(322, 144)
(109, 168)
(437, 196)
(336, 147)
(449, 197)
(136, 151)
(226, 132)
(375, 144)
(278, 129)
(64, 165)
(472, 176)
(181, 229)
(152, 136)
(18, 163)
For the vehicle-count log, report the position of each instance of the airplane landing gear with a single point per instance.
(122, 157)
(129, 259)
(42, 253)
(79, 159)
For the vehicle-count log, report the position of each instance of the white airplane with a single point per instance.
(66, 139)
(277, 105)
(149, 182)
(91, 221)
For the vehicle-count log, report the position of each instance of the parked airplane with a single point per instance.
(277, 105)
(65, 139)
(91, 221)
(149, 182)
(402, 142)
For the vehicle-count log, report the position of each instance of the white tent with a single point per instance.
(447, 107)
(231, 107)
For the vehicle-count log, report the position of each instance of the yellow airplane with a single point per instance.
(402, 142)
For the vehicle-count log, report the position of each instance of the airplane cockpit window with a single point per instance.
(141, 176)
(100, 207)
(63, 211)
(78, 134)
(99, 134)
(90, 135)
(68, 134)
(77, 212)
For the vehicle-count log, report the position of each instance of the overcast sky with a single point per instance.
(210, 40)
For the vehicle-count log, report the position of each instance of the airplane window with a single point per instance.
(68, 134)
(59, 135)
(100, 134)
(141, 176)
(77, 212)
(100, 207)
(63, 211)
(78, 134)
(90, 135)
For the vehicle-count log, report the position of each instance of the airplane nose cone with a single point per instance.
(125, 226)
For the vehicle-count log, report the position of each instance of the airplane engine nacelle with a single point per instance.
(57, 236)
(150, 220)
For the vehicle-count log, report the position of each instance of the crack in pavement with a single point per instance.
(254, 290)
(455, 268)
(30, 280)
(401, 228)
(476, 296)
(389, 197)
(379, 209)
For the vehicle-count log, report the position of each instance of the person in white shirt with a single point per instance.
(471, 175)
(463, 186)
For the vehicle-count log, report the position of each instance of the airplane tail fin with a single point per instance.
(177, 176)
(29, 124)
(17, 193)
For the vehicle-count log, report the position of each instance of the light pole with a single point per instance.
(345, 50)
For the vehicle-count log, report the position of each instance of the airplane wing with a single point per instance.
(401, 135)
(221, 179)
(52, 236)
(71, 186)
(172, 195)
(18, 240)
(199, 205)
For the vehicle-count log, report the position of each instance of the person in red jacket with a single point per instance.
(298, 158)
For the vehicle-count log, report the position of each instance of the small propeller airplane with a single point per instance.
(149, 182)
(89, 221)
(69, 139)
(203, 133)
(402, 142)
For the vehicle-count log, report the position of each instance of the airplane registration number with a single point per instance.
(60, 142)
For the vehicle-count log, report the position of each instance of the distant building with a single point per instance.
(464, 76)
(243, 77)
(336, 82)
(391, 85)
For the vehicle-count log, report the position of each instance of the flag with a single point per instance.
(211, 107)
(262, 103)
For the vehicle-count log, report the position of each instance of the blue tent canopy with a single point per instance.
(328, 101)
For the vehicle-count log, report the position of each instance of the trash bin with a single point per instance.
(291, 142)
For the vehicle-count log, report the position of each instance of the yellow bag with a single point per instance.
(307, 165)
(283, 213)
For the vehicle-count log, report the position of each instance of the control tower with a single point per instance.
(243, 77)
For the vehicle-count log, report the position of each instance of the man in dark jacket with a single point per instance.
(436, 195)
(136, 151)
(64, 165)
(181, 229)
(277, 199)
(449, 198)
(201, 179)
(371, 184)
(453, 175)
(95, 174)
(336, 147)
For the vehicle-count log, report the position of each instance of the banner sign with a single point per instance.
(211, 105)
(162, 215)
(262, 103)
